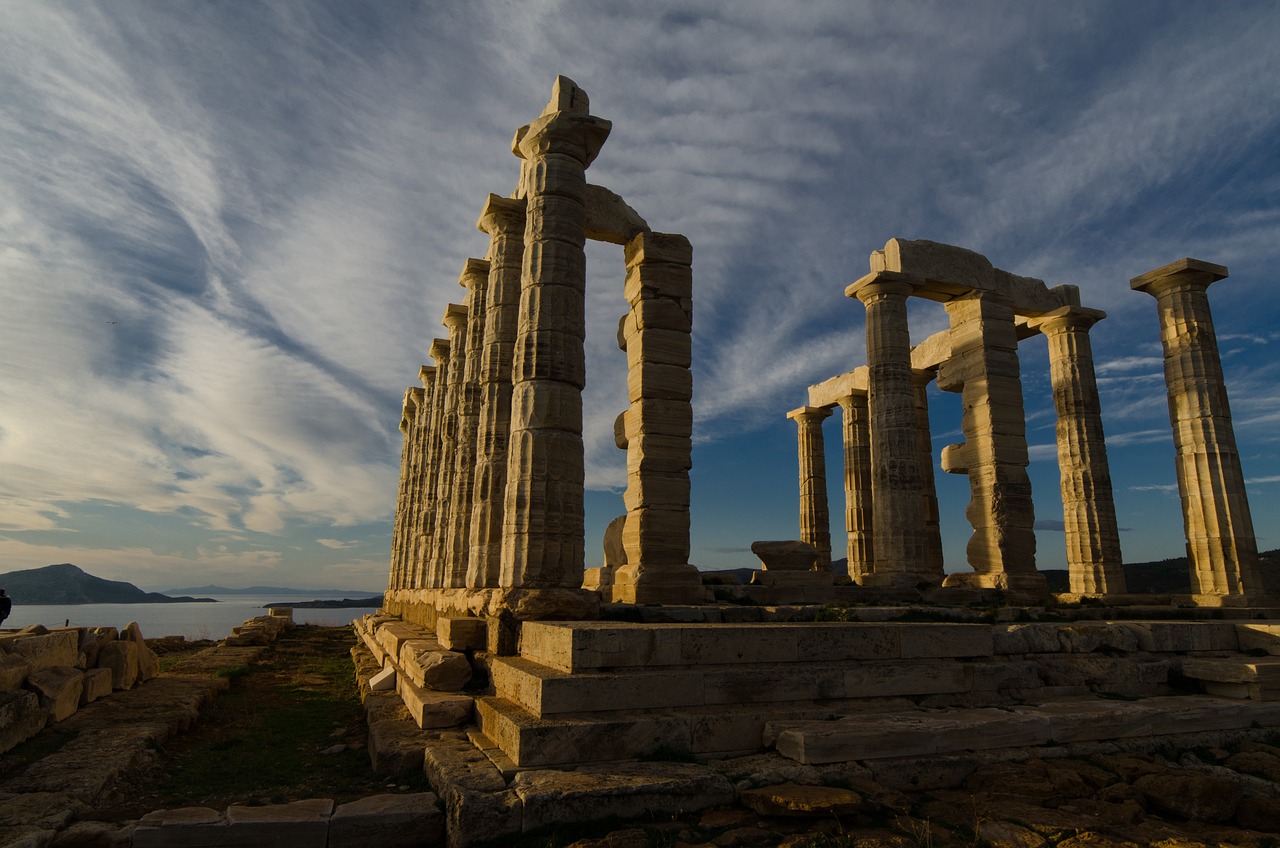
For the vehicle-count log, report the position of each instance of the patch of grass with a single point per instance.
(235, 673)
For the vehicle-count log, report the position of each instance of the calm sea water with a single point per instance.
(194, 621)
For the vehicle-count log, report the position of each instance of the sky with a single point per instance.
(228, 233)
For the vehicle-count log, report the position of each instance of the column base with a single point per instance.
(1031, 584)
(658, 584)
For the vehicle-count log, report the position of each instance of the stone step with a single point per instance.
(720, 731)
(544, 691)
(1237, 677)
(954, 731)
(587, 645)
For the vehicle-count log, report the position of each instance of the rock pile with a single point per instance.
(47, 674)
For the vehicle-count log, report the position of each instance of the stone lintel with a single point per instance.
(1186, 270)
(802, 412)
(475, 273)
(455, 316)
(831, 391)
(502, 213)
(948, 272)
(879, 280)
(439, 350)
(609, 218)
(931, 352)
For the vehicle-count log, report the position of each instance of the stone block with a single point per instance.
(121, 657)
(792, 799)
(430, 708)
(97, 684)
(659, 347)
(184, 827)
(790, 555)
(618, 791)
(56, 648)
(1259, 637)
(1089, 721)
(659, 382)
(656, 535)
(754, 685)
(655, 417)
(839, 641)
(719, 644)
(658, 314)
(546, 692)
(388, 821)
(393, 634)
(1183, 636)
(300, 823)
(658, 247)
(586, 645)
(427, 665)
(656, 491)
(91, 641)
(21, 717)
(648, 453)
(876, 679)
(13, 670)
(384, 680)
(461, 634)
(59, 690)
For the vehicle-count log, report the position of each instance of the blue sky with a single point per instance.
(228, 232)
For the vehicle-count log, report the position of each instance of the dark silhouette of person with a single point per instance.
(6, 606)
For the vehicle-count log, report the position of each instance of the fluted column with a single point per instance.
(857, 486)
(901, 547)
(424, 553)
(1094, 564)
(542, 541)
(815, 519)
(920, 381)
(475, 279)
(399, 531)
(455, 319)
(1215, 507)
(984, 368)
(504, 220)
(421, 429)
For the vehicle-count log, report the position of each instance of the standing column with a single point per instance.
(1215, 507)
(399, 531)
(455, 319)
(900, 536)
(1094, 564)
(542, 538)
(657, 427)
(421, 429)
(431, 452)
(475, 279)
(503, 220)
(857, 486)
(920, 381)
(984, 366)
(815, 519)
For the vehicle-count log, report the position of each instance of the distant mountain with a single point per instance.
(68, 584)
(266, 590)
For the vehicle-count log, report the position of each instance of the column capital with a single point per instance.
(1185, 273)
(808, 414)
(1066, 318)
(879, 283)
(475, 273)
(578, 136)
(455, 316)
(426, 374)
(439, 350)
(502, 215)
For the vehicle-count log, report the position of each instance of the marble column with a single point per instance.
(475, 279)
(431, 459)
(857, 486)
(399, 531)
(421, 429)
(1094, 564)
(455, 320)
(901, 547)
(815, 519)
(920, 381)
(984, 368)
(504, 220)
(1215, 507)
(542, 539)
(657, 427)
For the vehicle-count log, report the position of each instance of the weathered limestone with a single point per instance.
(815, 520)
(901, 547)
(59, 690)
(984, 368)
(857, 485)
(408, 480)
(1215, 506)
(658, 425)
(432, 458)
(475, 278)
(542, 543)
(439, 571)
(1094, 564)
(504, 220)
(920, 380)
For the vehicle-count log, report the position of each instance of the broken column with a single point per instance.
(503, 219)
(815, 520)
(658, 425)
(857, 485)
(542, 541)
(475, 279)
(984, 368)
(901, 547)
(1094, 565)
(1215, 507)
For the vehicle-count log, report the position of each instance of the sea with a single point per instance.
(201, 620)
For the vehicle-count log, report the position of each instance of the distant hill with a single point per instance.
(68, 584)
(266, 590)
